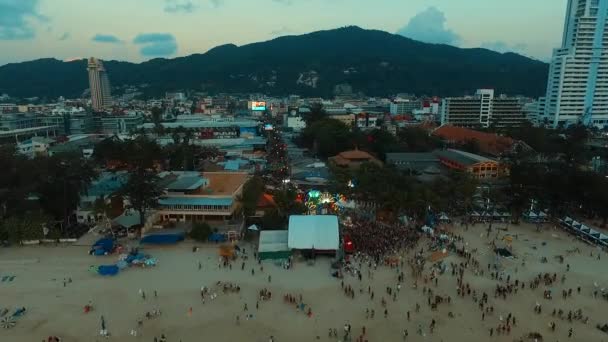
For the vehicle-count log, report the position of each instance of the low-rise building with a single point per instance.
(480, 167)
(415, 163)
(198, 197)
(35, 146)
(482, 110)
(353, 159)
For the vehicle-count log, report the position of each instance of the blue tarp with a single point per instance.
(162, 239)
(105, 244)
(108, 270)
(217, 237)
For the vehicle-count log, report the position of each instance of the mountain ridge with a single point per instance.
(371, 61)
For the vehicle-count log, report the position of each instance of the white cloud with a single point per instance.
(429, 26)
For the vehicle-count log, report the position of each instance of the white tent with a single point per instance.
(443, 217)
(542, 214)
(568, 220)
(318, 232)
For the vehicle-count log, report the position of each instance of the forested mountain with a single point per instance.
(370, 61)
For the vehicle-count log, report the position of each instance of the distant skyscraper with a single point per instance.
(99, 85)
(577, 89)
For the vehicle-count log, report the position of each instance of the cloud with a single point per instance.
(179, 6)
(106, 38)
(156, 44)
(15, 19)
(429, 26)
(283, 31)
(65, 36)
(502, 47)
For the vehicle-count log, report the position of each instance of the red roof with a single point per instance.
(488, 142)
(266, 201)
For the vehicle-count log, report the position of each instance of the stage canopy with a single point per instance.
(319, 232)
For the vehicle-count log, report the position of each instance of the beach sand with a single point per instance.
(53, 309)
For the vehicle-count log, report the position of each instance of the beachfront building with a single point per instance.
(197, 197)
(480, 167)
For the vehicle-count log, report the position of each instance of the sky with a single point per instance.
(138, 30)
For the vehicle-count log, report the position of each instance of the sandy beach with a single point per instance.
(55, 309)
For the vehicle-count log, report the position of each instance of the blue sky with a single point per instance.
(137, 30)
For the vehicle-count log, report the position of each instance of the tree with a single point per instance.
(418, 140)
(200, 231)
(63, 179)
(142, 190)
(327, 137)
(316, 113)
(157, 118)
(273, 220)
(252, 190)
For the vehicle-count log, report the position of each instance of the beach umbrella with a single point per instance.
(8, 322)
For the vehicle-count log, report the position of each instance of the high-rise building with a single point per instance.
(99, 85)
(482, 110)
(404, 106)
(577, 88)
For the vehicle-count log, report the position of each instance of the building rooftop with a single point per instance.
(107, 183)
(489, 143)
(188, 183)
(191, 200)
(464, 158)
(223, 183)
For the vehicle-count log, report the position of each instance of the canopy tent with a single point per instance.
(568, 220)
(542, 214)
(575, 224)
(443, 217)
(273, 245)
(318, 232)
(253, 227)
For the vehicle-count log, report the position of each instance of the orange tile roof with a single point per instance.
(488, 142)
(356, 154)
(266, 201)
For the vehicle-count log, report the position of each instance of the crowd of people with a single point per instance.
(379, 240)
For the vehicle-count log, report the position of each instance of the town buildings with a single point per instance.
(577, 86)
